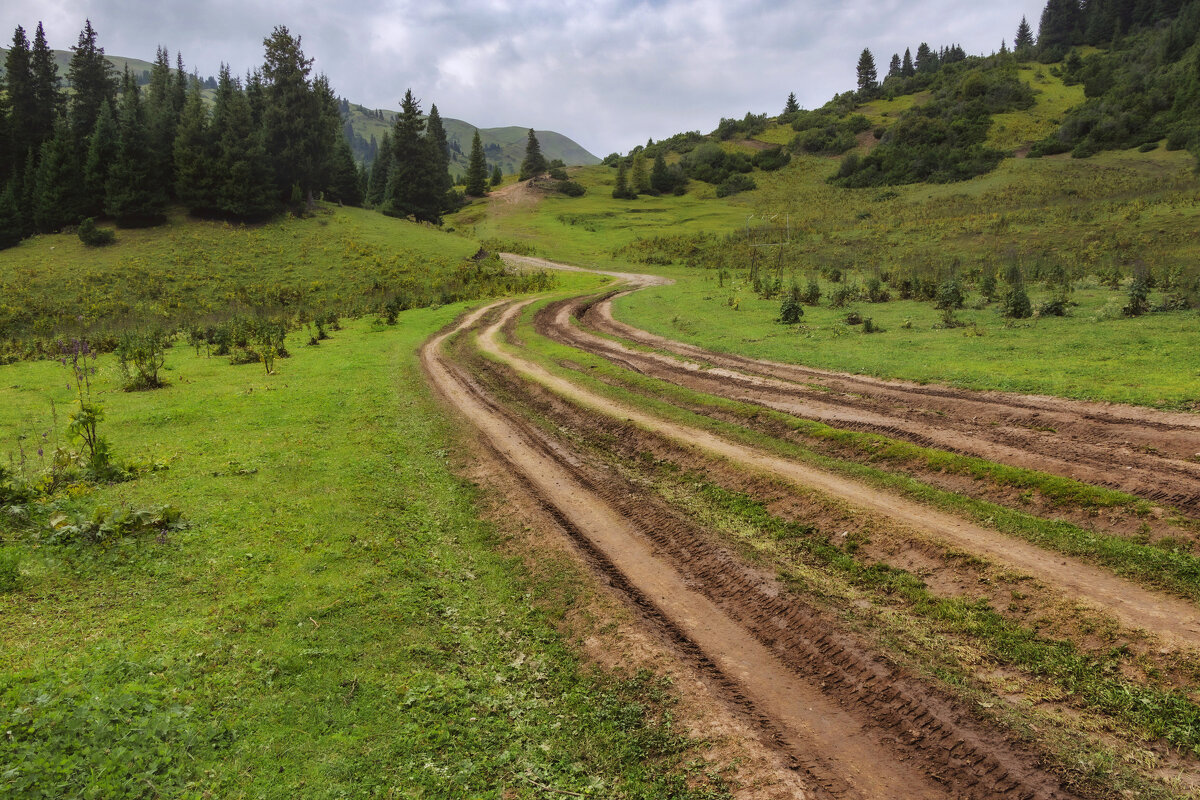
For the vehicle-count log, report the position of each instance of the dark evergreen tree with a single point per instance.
(12, 226)
(21, 101)
(414, 188)
(294, 123)
(907, 70)
(162, 119)
(47, 100)
(93, 82)
(476, 169)
(102, 152)
(791, 106)
(435, 133)
(639, 176)
(179, 86)
(343, 182)
(194, 155)
(534, 163)
(133, 196)
(1024, 40)
(927, 60)
(497, 176)
(868, 77)
(1060, 27)
(380, 167)
(894, 67)
(621, 189)
(57, 187)
(243, 180)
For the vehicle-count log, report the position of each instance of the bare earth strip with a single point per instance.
(846, 751)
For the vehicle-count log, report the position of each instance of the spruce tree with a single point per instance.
(133, 195)
(292, 116)
(868, 77)
(243, 181)
(927, 60)
(101, 153)
(660, 176)
(907, 70)
(894, 67)
(194, 155)
(621, 189)
(343, 181)
(497, 176)
(47, 100)
(162, 118)
(380, 167)
(57, 185)
(12, 227)
(435, 133)
(476, 169)
(534, 163)
(413, 186)
(21, 100)
(1024, 40)
(639, 177)
(93, 81)
(791, 106)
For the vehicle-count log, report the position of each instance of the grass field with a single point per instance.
(334, 621)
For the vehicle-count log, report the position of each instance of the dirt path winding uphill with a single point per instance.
(1144, 452)
(856, 727)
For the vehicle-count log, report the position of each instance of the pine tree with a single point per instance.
(343, 181)
(413, 186)
(101, 153)
(380, 167)
(1061, 25)
(133, 196)
(12, 228)
(22, 106)
(243, 182)
(621, 189)
(791, 106)
(1024, 40)
(639, 176)
(47, 100)
(907, 70)
(93, 81)
(292, 116)
(894, 67)
(497, 176)
(57, 186)
(162, 119)
(435, 133)
(476, 169)
(927, 60)
(194, 156)
(534, 163)
(868, 77)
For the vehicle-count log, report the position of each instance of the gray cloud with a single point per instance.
(608, 73)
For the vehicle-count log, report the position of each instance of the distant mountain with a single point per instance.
(504, 147)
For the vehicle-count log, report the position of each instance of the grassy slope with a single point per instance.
(1113, 209)
(335, 622)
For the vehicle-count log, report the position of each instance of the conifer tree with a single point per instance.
(243, 185)
(47, 100)
(162, 119)
(194, 156)
(101, 153)
(907, 70)
(894, 67)
(12, 227)
(497, 176)
(377, 184)
(621, 189)
(179, 86)
(93, 82)
(294, 123)
(343, 181)
(868, 77)
(477, 169)
(927, 60)
(133, 195)
(57, 186)
(639, 177)
(534, 163)
(791, 106)
(1024, 40)
(660, 177)
(413, 188)
(435, 133)
(21, 101)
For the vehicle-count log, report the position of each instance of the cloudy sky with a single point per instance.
(607, 73)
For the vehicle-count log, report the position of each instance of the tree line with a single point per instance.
(111, 147)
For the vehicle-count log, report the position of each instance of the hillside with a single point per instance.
(505, 147)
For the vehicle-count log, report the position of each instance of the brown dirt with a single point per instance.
(1139, 451)
(856, 726)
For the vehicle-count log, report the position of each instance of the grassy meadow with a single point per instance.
(333, 620)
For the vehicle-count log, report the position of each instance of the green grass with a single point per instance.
(52, 284)
(334, 622)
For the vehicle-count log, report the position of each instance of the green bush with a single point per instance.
(92, 236)
(10, 569)
(735, 184)
(571, 188)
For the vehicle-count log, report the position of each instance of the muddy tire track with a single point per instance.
(1147, 453)
(856, 725)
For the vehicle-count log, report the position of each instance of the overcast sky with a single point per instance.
(607, 73)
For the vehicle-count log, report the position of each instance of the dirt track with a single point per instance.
(856, 726)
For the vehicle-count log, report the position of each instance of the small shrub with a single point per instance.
(1139, 295)
(987, 286)
(950, 295)
(736, 184)
(92, 236)
(854, 318)
(1016, 304)
(791, 310)
(558, 173)
(869, 326)
(841, 296)
(571, 188)
(812, 293)
(141, 353)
